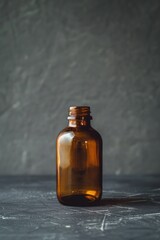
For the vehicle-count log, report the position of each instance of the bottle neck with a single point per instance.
(79, 123)
(79, 116)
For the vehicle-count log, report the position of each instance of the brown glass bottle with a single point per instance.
(79, 160)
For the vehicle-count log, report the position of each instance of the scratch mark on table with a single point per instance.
(102, 228)
(143, 215)
(67, 226)
(5, 218)
(156, 189)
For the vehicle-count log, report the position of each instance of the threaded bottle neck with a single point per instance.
(79, 116)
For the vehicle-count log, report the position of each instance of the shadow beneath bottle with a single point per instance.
(144, 199)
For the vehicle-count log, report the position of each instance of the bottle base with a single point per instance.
(79, 200)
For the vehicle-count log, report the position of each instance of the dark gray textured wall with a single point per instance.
(54, 54)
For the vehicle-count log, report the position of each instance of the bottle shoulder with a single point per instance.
(80, 132)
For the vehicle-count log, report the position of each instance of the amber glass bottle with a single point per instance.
(79, 160)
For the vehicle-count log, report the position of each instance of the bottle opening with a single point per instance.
(79, 112)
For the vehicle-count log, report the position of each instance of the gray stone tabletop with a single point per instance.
(130, 209)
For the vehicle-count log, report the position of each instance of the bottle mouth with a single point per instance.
(79, 112)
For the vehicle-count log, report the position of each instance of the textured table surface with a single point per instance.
(130, 209)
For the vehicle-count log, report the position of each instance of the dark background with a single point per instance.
(105, 54)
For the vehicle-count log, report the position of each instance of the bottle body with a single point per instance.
(79, 165)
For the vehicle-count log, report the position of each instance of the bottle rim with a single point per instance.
(79, 112)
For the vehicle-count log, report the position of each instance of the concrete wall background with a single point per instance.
(54, 54)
